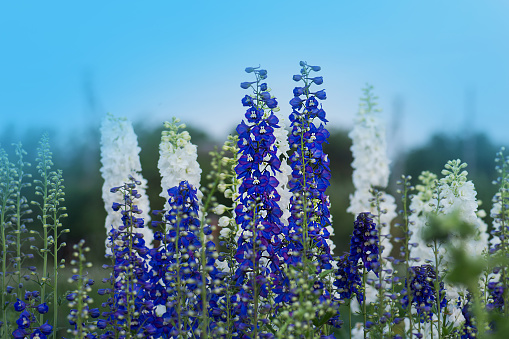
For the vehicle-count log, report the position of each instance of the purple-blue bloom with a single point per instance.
(364, 243)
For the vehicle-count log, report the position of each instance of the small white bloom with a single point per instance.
(224, 221)
(219, 209)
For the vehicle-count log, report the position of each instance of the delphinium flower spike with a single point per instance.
(130, 305)
(310, 224)
(258, 212)
(79, 300)
(422, 289)
(453, 193)
(120, 159)
(364, 254)
(179, 261)
(50, 190)
(7, 185)
(370, 178)
(18, 214)
(307, 236)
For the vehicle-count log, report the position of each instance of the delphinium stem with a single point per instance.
(364, 310)
(405, 181)
(435, 246)
(350, 319)
(180, 286)
(381, 261)
(204, 269)
(255, 273)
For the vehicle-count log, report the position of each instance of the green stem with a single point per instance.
(364, 311)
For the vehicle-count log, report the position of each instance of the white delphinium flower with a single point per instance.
(120, 159)
(177, 160)
(371, 169)
(371, 165)
(459, 195)
(451, 194)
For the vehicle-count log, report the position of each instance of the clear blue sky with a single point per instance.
(64, 64)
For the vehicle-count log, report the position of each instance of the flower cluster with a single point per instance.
(258, 213)
(175, 276)
(309, 228)
(364, 243)
(27, 324)
(274, 274)
(120, 159)
(424, 294)
(129, 305)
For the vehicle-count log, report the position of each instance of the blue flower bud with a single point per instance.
(102, 324)
(302, 63)
(317, 80)
(271, 103)
(250, 69)
(298, 91)
(46, 328)
(28, 295)
(71, 296)
(265, 95)
(246, 84)
(315, 68)
(297, 77)
(296, 102)
(321, 95)
(263, 87)
(94, 313)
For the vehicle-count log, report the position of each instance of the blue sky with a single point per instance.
(64, 64)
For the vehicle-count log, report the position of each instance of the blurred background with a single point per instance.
(439, 68)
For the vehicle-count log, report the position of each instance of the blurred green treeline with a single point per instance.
(80, 162)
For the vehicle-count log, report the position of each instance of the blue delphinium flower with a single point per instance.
(496, 293)
(175, 276)
(469, 328)
(348, 279)
(27, 324)
(129, 277)
(310, 216)
(422, 287)
(364, 243)
(257, 212)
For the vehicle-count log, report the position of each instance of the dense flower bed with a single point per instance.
(431, 270)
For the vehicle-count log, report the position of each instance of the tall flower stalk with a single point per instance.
(51, 190)
(120, 159)
(7, 186)
(258, 213)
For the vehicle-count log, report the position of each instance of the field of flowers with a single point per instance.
(426, 269)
